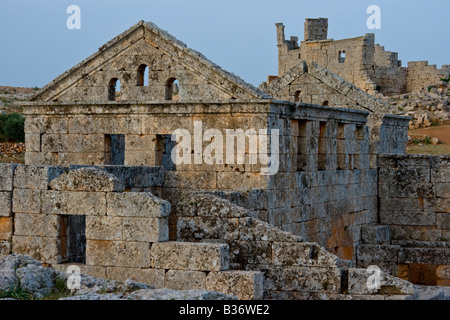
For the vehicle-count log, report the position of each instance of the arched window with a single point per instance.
(142, 75)
(172, 89)
(325, 103)
(114, 90)
(298, 96)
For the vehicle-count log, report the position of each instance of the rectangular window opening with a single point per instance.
(342, 56)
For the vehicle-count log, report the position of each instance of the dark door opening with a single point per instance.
(72, 239)
(115, 149)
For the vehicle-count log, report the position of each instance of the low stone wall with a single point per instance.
(412, 240)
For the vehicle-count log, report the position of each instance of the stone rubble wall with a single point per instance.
(292, 268)
(412, 238)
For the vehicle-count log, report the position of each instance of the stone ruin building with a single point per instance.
(357, 60)
(99, 188)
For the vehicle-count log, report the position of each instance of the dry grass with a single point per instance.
(440, 132)
(17, 158)
(440, 149)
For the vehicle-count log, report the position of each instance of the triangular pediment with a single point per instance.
(164, 55)
(317, 84)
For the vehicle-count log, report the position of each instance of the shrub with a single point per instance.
(12, 127)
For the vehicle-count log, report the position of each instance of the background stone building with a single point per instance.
(358, 60)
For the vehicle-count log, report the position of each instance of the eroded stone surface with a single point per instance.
(87, 179)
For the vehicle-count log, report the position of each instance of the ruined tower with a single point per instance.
(316, 29)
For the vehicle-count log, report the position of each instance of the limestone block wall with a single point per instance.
(412, 239)
(316, 29)
(6, 215)
(76, 134)
(83, 216)
(389, 134)
(391, 80)
(420, 75)
(388, 73)
(219, 246)
(326, 188)
(143, 51)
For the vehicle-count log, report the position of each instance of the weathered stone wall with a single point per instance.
(313, 83)
(412, 240)
(389, 134)
(6, 215)
(347, 58)
(33, 214)
(316, 29)
(218, 246)
(420, 75)
(126, 57)
(325, 188)
(126, 233)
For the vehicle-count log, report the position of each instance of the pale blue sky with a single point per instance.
(239, 35)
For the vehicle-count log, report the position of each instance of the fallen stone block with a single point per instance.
(137, 205)
(87, 179)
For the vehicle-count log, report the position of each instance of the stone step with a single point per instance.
(190, 256)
